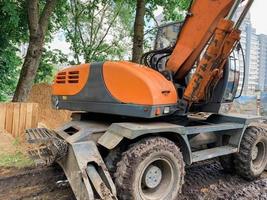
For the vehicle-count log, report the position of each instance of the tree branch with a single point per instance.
(103, 50)
(95, 34)
(46, 13)
(33, 16)
(81, 37)
(153, 17)
(76, 51)
(110, 25)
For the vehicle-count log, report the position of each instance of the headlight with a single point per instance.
(166, 110)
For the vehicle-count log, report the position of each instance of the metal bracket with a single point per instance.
(87, 173)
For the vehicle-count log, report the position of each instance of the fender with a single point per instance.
(118, 131)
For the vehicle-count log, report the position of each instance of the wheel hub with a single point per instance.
(152, 176)
(255, 152)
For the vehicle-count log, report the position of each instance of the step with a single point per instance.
(213, 153)
(213, 127)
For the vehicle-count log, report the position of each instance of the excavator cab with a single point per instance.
(235, 73)
(166, 37)
(167, 34)
(165, 40)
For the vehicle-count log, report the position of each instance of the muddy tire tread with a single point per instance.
(135, 154)
(242, 159)
(112, 159)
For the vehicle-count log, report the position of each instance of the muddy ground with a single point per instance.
(203, 182)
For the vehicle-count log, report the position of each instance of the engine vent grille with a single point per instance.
(71, 77)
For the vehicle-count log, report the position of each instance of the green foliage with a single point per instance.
(48, 64)
(13, 30)
(13, 33)
(100, 30)
(97, 30)
(174, 9)
(9, 70)
(13, 22)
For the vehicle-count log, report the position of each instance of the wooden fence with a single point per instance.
(16, 117)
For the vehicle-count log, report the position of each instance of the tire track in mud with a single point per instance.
(38, 184)
(208, 182)
(203, 181)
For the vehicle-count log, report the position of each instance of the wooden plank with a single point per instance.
(2, 115)
(22, 118)
(28, 123)
(16, 116)
(9, 117)
(35, 115)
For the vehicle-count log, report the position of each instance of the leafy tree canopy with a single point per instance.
(13, 33)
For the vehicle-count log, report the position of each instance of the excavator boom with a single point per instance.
(211, 66)
(199, 26)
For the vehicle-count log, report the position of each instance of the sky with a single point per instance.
(259, 16)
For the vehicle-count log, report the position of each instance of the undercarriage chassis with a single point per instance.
(83, 162)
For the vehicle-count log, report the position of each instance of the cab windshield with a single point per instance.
(167, 35)
(165, 41)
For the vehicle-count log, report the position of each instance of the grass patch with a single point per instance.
(18, 160)
(16, 142)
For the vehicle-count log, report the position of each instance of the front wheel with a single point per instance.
(251, 160)
(151, 169)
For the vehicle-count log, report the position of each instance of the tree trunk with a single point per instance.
(28, 70)
(38, 24)
(138, 38)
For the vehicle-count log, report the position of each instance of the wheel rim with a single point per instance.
(255, 152)
(152, 176)
(259, 154)
(157, 179)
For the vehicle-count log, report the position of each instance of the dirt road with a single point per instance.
(203, 182)
(209, 182)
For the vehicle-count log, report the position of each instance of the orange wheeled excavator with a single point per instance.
(136, 126)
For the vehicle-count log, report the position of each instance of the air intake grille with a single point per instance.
(71, 77)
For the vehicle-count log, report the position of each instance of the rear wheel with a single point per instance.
(152, 169)
(251, 160)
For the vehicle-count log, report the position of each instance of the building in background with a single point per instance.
(250, 44)
(255, 48)
(263, 62)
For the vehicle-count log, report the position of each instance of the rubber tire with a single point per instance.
(112, 159)
(227, 163)
(243, 159)
(138, 154)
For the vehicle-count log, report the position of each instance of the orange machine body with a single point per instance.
(134, 87)
(129, 83)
